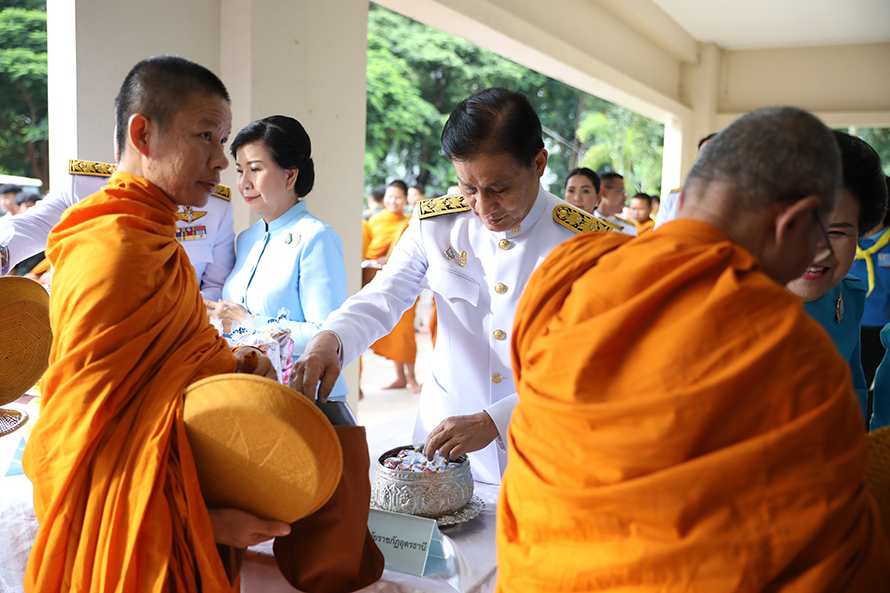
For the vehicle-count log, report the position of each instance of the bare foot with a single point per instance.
(413, 385)
(361, 394)
(397, 384)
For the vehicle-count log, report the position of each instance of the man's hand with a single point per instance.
(232, 527)
(4, 256)
(254, 362)
(319, 362)
(461, 434)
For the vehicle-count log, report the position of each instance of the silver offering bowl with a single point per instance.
(427, 494)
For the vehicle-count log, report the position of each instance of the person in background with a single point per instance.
(415, 193)
(289, 259)
(641, 213)
(400, 345)
(8, 192)
(656, 204)
(375, 202)
(612, 202)
(872, 266)
(831, 295)
(683, 425)
(582, 189)
(26, 200)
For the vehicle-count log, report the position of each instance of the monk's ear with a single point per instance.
(138, 132)
(794, 223)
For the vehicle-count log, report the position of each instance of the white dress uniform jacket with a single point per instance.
(477, 277)
(212, 251)
(670, 205)
(619, 225)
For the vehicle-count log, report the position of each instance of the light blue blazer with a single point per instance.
(295, 262)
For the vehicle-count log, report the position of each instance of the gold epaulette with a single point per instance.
(623, 220)
(223, 192)
(676, 191)
(444, 205)
(579, 221)
(78, 167)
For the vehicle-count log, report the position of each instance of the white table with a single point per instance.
(470, 546)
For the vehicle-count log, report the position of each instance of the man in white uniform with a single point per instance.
(207, 234)
(475, 252)
(612, 202)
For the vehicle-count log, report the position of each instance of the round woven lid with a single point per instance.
(25, 336)
(261, 447)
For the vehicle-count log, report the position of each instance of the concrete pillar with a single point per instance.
(93, 44)
(700, 88)
(307, 60)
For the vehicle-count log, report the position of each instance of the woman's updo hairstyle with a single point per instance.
(288, 143)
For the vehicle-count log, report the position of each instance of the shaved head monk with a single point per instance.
(115, 487)
(682, 424)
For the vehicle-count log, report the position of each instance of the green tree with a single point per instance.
(623, 141)
(410, 64)
(879, 139)
(24, 147)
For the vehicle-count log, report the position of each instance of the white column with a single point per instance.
(306, 59)
(93, 44)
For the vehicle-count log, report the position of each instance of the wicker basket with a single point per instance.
(878, 476)
(11, 420)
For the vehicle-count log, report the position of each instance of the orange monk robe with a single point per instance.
(400, 344)
(643, 227)
(682, 425)
(41, 268)
(115, 488)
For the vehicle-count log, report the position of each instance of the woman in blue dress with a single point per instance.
(289, 259)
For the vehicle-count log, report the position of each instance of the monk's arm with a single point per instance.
(232, 527)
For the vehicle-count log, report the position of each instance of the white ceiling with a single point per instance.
(760, 24)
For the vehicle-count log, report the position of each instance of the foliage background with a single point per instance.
(418, 74)
(24, 131)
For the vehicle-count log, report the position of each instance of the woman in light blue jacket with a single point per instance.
(289, 259)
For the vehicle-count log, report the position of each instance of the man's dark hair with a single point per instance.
(771, 155)
(10, 188)
(610, 176)
(707, 138)
(419, 187)
(493, 121)
(655, 199)
(399, 184)
(589, 173)
(864, 178)
(23, 197)
(289, 146)
(378, 193)
(158, 88)
(645, 197)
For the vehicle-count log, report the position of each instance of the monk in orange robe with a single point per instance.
(682, 424)
(115, 486)
(400, 346)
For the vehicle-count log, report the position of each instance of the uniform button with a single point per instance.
(499, 334)
(496, 378)
(504, 244)
(500, 288)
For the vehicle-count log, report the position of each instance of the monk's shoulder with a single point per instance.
(579, 221)
(434, 207)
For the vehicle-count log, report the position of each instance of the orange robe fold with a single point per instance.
(682, 425)
(400, 345)
(115, 488)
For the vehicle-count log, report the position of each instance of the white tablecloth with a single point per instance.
(470, 546)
